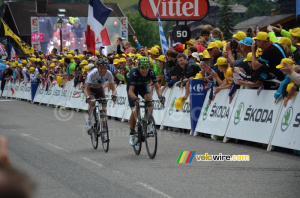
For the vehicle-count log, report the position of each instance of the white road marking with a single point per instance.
(89, 160)
(57, 147)
(29, 136)
(153, 189)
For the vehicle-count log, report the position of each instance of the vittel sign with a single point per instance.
(174, 10)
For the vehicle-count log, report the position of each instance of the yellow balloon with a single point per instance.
(179, 103)
(59, 80)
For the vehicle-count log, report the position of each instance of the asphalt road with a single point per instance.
(53, 148)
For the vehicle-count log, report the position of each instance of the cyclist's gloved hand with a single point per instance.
(87, 100)
(114, 98)
(136, 101)
(161, 98)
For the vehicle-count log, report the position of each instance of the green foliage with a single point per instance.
(146, 31)
(225, 22)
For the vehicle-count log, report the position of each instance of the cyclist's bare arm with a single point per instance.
(157, 88)
(87, 89)
(131, 92)
(113, 88)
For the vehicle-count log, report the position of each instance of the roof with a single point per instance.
(263, 21)
(235, 8)
(22, 11)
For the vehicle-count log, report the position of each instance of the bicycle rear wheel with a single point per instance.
(138, 139)
(105, 144)
(95, 128)
(151, 137)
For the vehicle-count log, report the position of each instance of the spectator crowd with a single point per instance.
(256, 60)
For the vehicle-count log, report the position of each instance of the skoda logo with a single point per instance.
(205, 112)
(172, 106)
(238, 113)
(287, 118)
(110, 103)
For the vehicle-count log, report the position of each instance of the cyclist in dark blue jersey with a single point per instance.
(138, 84)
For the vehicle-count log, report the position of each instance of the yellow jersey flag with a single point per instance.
(27, 49)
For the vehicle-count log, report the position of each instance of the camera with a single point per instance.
(234, 45)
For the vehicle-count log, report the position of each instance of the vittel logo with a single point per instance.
(174, 9)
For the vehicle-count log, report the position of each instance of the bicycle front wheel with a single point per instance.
(95, 128)
(138, 139)
(104, 132)
(151, 137)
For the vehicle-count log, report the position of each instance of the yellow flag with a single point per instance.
(27, 49)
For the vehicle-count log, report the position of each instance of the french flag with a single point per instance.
(96, 34)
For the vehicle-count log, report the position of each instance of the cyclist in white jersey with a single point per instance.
(95, 79)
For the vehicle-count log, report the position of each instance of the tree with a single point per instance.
(226, 20)
(147, 32)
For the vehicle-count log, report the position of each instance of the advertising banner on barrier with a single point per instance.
(197, 97)
(34, 87)
(22, 89)
(39, 94)
(214, 117)
(117, 109)
(27, 93)
(55, 97)
(64, 96)
(10, 91)
(178, 118)
(253, 117)
(46, 98)
(5, 90)
(75, 99)
(287, 133)
(16, 89)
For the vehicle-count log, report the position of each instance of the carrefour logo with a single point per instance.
(238, 113)
(198, 88)
(287, 118)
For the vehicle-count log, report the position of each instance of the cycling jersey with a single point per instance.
(96, 81)
(134, 78)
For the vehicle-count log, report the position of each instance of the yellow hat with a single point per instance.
(62, 61)
(161, 58)
(44, 68)
(285, 40)
(44, 60)
(262, 36)
(220, 44)
(212, 45)
(70, 56)
(42, 56)
(66, 49)
(240, 35)
(84, 62)
(31, 69)
(154, 51)
(20, 65)
(59, 80)
(38, 60)
(130, 54)
(71, 52)
(76, 57)
(205, 54)
(16, 62)
(54, 60)
(33, 59)
(191, 42)
(52, 65)
(179, 103)
(85, 67)
(116, 61)
(285, 60)
(295, 32)
(124, 55)
(97, 52)
(198, 76)
(117, 56)
(24, 61)
(221, 61)
(81, 56)
(258, 52)
(33, 56)
(7, 62)
(13, 65)
(122, 60)
(248, 58)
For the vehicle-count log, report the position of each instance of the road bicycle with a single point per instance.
(145, 130)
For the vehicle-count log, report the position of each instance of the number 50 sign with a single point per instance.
(181, 33)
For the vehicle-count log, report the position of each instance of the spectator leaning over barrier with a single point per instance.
(214, 52)
(295, 37)
(173, 72)
(271, 57)
(223, 66)
(189, 71)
